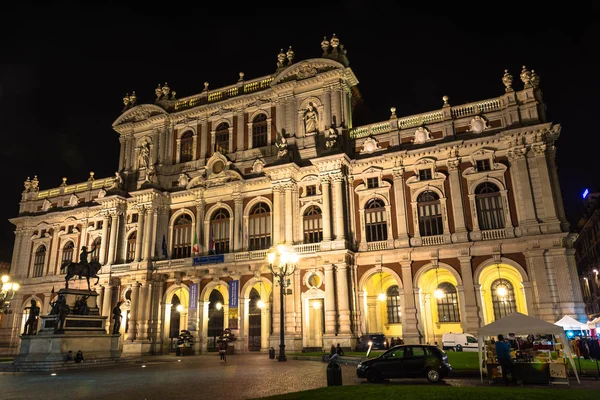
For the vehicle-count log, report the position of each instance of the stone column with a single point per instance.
(142, 313)
(547, 196)
(470, 322)
(276, 215)
(522, 186)
(114, 228)
(107, 306)
(276, 309)
(340, 226)
(104, 241)
(237, 223)
(204, 139)
(410, 331)
(133, 312)
(400, 198)
(326, 209)
(200, 207)
(264, 326)
(140, 234)
(148, 234)
(330, 312)
(289, 214)
(343, 298)
(567, 281)
(542, 297)
(351, 210)
(457, 200)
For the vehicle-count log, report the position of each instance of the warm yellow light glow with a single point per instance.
(381, 297)
(439, 293)
(283, 259)
(281, 249)
(218, 306)
(501, 291)
(260, 304)
(295, 257)
(179, 308)
(5, 278)
(15, 287)
(595, 271)
(271, 258)
(316, 305)
(6, 287)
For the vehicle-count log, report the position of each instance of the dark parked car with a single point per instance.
(406, 361)
(378, 340)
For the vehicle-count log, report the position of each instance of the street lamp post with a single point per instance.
(287, 266)
(7, 292)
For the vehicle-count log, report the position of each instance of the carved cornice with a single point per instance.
(337, 162)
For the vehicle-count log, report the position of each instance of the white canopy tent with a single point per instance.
(521, 324)
(571, 324)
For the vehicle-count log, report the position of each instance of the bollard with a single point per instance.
(334, 374)
(271, 353)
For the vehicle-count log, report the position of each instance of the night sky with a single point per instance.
(64, 70)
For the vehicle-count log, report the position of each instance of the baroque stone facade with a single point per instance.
(412, 226)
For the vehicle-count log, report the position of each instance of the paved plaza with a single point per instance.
(245, 376)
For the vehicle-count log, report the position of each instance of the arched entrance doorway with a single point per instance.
(254, 320)
(502, 291)
(216, 319)
(175, 315)
(382, 303)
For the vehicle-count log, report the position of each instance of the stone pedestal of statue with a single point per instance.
(83, 329)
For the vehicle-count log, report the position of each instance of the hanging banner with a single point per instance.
(193, 296)
(233, 294)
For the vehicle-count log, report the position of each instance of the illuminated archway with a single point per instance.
(381, 313)
(176, 304)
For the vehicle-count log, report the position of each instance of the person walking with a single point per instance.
(504, 359)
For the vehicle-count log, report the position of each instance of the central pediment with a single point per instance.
(307, 69)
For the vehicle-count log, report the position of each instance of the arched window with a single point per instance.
(375, 221)
(503, 305)
(430, 214)
(259, 131)
(393, 305)
(219, 229)
(39, 260)
(187, 147)
(215, 318)
(131, 242)
(182, 237)
(313, 225)
(254, 321)
(489, 206)
(95, 256)
(222, 138)
(259, 227)
(67, 253)
(448, 304)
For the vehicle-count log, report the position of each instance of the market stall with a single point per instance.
(534, 366)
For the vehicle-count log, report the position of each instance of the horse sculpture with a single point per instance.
(82, 271)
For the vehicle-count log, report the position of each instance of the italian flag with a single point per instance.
(196, 248)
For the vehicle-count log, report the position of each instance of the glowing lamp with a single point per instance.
(15, 287)
(381, 297)
(271, 258)
(218, 306)
(316, 305)
(585, 193)
(4, 278)
(501, 291)
(260, 304)
(439, 293)
(295, 257)
(6, 287)
(179, 308)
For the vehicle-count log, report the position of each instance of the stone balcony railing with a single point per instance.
(373, 246)
(432, 240)
(493, 234)
(76, 188)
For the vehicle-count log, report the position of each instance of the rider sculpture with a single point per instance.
(83, 268)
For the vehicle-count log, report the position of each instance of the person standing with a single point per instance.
(504, 358)
(223, 351)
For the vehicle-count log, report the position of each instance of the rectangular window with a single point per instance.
(70, 229)
(311, 190)
(483, 165)
(99, 225)
(372, 183)
(134, 217)
(424, 174)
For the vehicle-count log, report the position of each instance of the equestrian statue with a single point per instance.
(83, 268)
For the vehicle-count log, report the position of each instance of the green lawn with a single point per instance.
(435, 392)
(458, 360)
(5, 359)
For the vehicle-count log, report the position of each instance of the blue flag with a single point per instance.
(164, 247)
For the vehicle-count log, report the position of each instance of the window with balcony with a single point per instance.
(39, 261)
(375, 221)
(259, 131)
(219, 227)
(182, 237)
(186, 152)
(430, 214)
(489, 206)
(448, 310)
(313, 225)
(259, 227)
